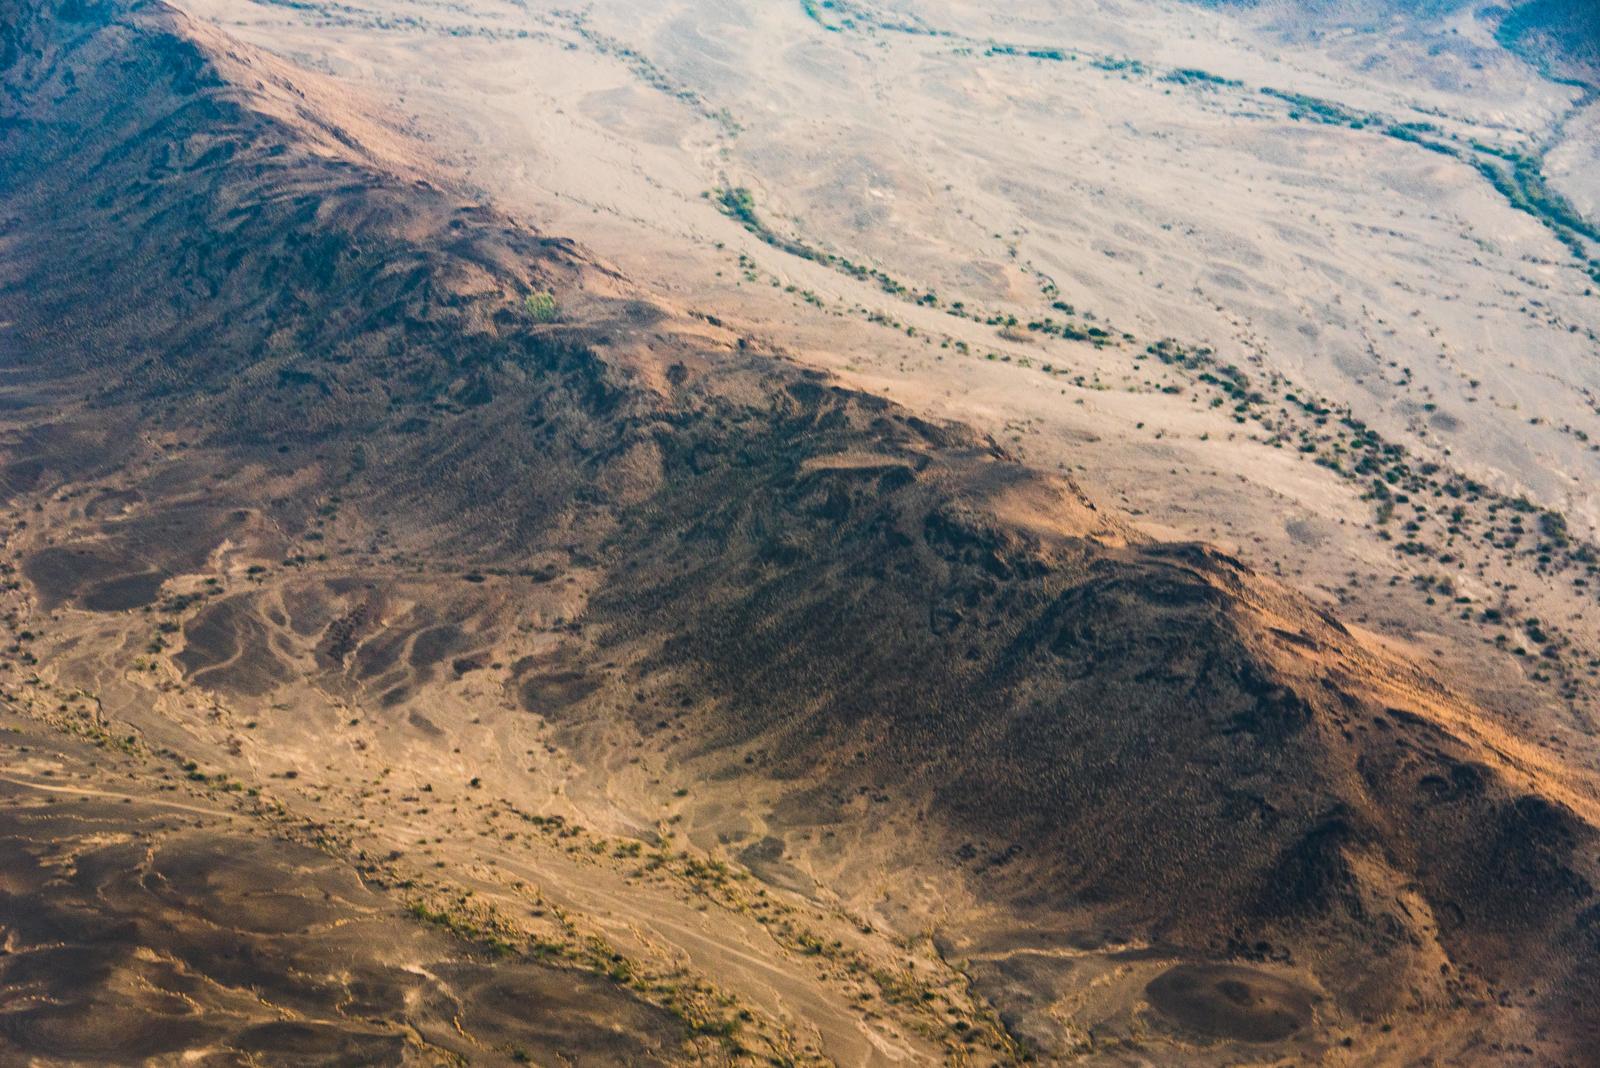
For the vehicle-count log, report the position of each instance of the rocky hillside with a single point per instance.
(1561, 34)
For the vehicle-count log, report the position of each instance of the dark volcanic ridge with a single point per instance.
(247, 307)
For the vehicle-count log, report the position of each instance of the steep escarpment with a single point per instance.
(239, 316)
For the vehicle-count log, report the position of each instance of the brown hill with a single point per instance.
(238, 314)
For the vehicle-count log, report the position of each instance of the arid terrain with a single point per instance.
(799, 533)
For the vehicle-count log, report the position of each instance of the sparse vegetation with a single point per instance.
(542, 307)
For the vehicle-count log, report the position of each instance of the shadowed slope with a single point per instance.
(1562, 35)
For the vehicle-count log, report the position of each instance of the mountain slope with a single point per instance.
(369, 480)
(1563, 35)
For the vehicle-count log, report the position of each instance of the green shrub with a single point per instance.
(542, 306)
